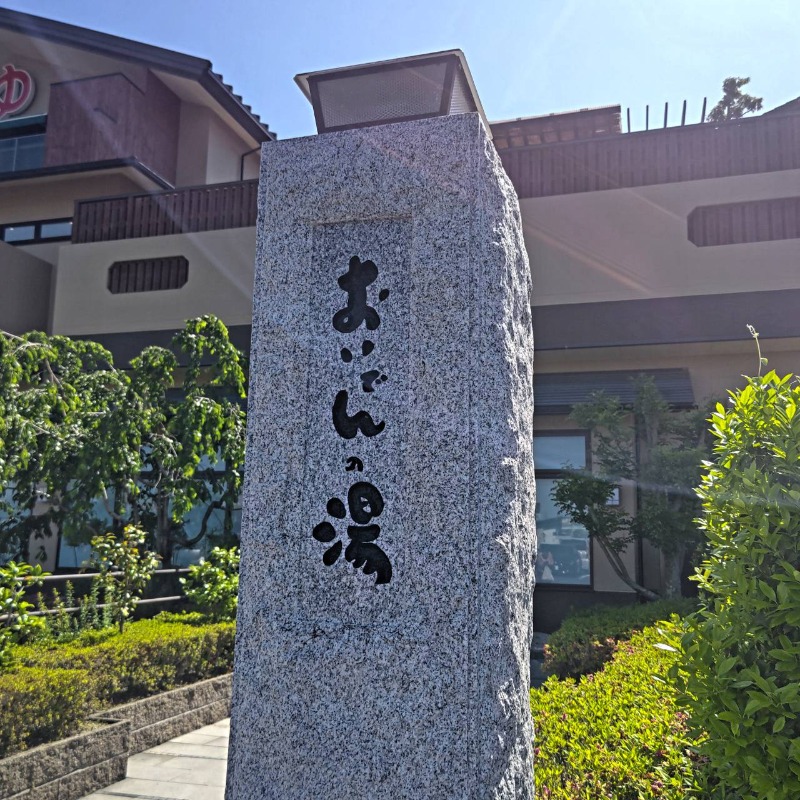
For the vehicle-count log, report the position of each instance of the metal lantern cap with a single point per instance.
(398, 90)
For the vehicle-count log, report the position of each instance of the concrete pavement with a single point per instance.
(190, 767)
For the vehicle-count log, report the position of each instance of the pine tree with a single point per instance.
(734, 103)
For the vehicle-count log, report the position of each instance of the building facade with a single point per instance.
(128, 204)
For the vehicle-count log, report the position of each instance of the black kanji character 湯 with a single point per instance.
(364, 502)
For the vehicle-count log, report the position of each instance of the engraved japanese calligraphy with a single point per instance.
(364, 500)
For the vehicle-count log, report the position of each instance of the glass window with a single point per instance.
(8, 152)
(33, 232)
(22, 152)
(60, 229)
(554, 452)
(19, 233)
(30, 152)
(564, 547)
(73, 556)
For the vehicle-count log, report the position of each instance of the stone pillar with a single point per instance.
(388, 533)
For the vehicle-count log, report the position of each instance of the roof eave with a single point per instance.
(157, 58)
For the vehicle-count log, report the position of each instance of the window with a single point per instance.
(57, 229)
(37, 232)
(22, 143)
(564, 548)
(22, 153)
(19, 233)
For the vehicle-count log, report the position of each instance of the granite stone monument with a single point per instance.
(388, 533)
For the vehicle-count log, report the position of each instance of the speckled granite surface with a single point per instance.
(388, 532)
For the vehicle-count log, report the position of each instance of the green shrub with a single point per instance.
(587, 639)
(17, 623)
(40, 705)
(126, 568)
(213, 584)
(151, 656)
(741, 650)
(615, 734)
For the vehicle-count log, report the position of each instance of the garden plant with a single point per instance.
(740, 671)
(213, 584)
(16, 621)
(616, 733)
(96, 442)
(51, 688)
(588, 639)
(125, 569)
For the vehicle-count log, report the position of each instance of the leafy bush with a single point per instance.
(587, 639)
(134, 565)
(741, 651)
(615, 734)
(39, 705)
(15, 580)
(213, 584)
(150, 656)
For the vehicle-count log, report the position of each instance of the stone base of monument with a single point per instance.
(388, 535)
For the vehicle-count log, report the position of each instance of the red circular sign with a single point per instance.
(16, 90)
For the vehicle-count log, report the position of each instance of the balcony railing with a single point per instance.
(693, 152)
(199, 208)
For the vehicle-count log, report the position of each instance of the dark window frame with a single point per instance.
(554, 474)
(37, 231)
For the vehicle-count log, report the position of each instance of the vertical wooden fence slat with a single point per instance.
(194, 209)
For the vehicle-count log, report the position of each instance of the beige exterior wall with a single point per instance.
(628, 244)
(38, 199)
(193, 145)
(209, 151)
(25, 298)
(220, 282)
(225, 150)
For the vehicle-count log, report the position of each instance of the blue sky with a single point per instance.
(527, 58)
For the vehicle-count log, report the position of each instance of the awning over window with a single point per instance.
(558, 392)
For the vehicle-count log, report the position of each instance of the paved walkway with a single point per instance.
(191, 767)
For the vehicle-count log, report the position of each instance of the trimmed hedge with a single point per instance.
(40, 705)
(152, 655)
(54, 687)
(615, 734)
(588, 639)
